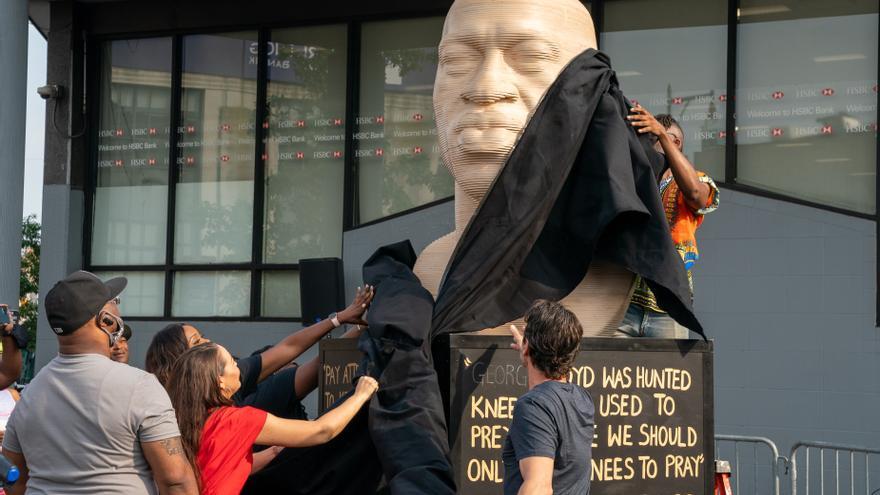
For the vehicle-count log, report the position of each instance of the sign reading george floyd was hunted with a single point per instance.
(653, 402)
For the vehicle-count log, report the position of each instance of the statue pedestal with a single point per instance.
(654, 408)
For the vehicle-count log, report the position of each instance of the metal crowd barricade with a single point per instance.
(855, 459)
(764, 454)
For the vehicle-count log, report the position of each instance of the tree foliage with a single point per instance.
(29, 281)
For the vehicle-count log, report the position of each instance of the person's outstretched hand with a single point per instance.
(517, 338)
(366, 387)
(354, 313)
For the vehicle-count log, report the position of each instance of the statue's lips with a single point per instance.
(489, 121)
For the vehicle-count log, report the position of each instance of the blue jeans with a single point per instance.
(641, 322)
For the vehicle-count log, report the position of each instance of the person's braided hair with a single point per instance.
(667, 120)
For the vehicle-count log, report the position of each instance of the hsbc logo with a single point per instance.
(722, 98)
(300, 155)
(337, 121)
(152, 131)
(828, 92)
(224, 127)
(118, 163)
(264, 156)
(677, 100)
(266, 124)
(827, 129)
(417, 150)
(224, 158)
(777, 95)
(190, 161)
(380, 152)
(151, 161)
(777, 132)
(190, 129)
(119, 133)
(380, 119)
(418, 117)
(300, 123)
(337, 154)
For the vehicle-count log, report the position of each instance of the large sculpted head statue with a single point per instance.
(497, 58)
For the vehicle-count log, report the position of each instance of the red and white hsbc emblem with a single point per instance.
(337, 154)
(300, 123)
(380, 119)
(776, 132)
(337, 121)
(722, 98)
(190, 160)
(225, 127)
(300, 155)
(224, 158)
(190, 129)
(722, 134)
(417, 117)
(119, 132)
(151, 162)
(264, 156)
(118, 163)
(677, 100)
(417, 150)
(152, 131)
(380, 152)
(827, 129)
(828, 92)
(777, 95)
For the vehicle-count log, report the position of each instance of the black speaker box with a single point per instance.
(321, 288)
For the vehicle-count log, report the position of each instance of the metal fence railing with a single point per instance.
(755, 463)
(838, 468)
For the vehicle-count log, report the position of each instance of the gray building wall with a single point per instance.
(788, 294)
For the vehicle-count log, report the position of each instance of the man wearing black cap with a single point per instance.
(88, 424)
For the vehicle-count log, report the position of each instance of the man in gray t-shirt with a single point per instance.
(86, 424)
(549, 444)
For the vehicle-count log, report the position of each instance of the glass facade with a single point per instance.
(808, 128)
(273, 162)
(676, 75)
(131, 179)
(399, 164)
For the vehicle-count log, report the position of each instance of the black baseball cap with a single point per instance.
(78, 298)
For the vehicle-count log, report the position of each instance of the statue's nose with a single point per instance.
(492, 81)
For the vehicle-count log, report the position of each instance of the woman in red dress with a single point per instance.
(218, 437)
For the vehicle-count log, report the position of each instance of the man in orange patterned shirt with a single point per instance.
(687, 196)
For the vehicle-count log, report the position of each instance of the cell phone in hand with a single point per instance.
(4, 314)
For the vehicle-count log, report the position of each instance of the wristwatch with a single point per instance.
(334, 319)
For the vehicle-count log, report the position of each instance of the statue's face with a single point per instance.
(497, 58)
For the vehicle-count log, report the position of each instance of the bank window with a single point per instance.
(675, 76)
(807, 127)
(131, 159)
(304, 162)
(396, 152)
(215, 156)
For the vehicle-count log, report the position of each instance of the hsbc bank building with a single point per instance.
(204, 149)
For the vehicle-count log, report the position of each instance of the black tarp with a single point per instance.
(580, 183)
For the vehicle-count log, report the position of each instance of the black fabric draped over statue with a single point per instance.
(580, 183)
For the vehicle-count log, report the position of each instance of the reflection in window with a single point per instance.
(675, 75)
(306, 139)
(807, 128)
(131, 196)
(211, 294)
(399, 164)
(280, 294)
(143, 296)
(215, 190)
